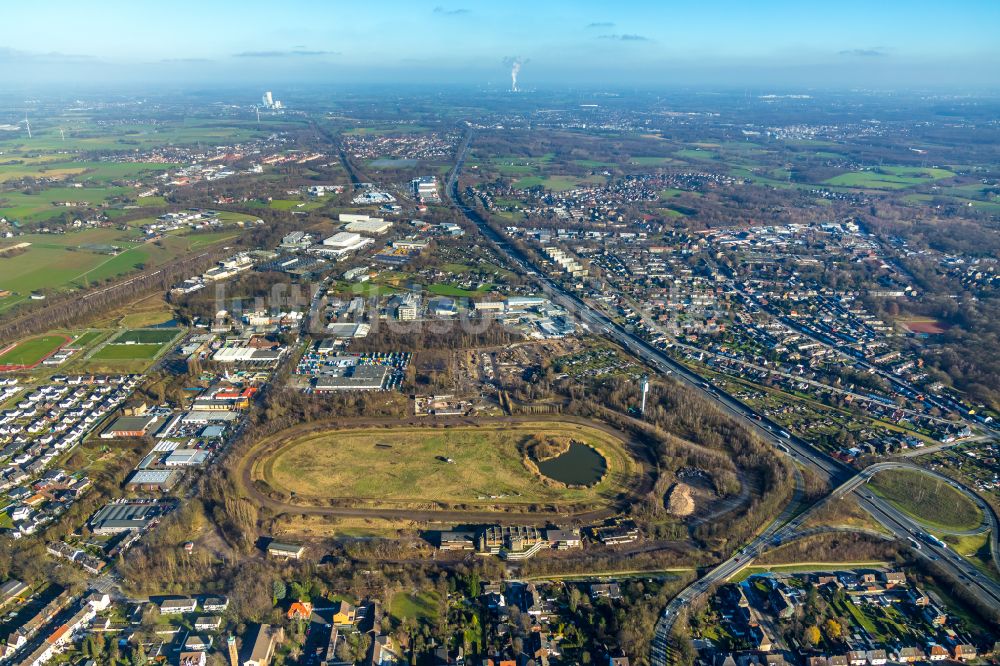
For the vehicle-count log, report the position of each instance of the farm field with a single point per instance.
(927, 499)
(79, 171)
(889, 178)
(58, 262)
(554, 183)
(82, 135)
(461, 464)
(40, 205)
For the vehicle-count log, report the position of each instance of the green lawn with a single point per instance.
(452, 290)
(421, 606)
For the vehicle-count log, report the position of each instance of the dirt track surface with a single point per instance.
(641, 486)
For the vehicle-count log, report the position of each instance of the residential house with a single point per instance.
(894, 579)
(964, 652)
(908, 655)
(857, 658)
(877, 657)
(781, 604)
(300, 610)
(760, 640)
(935, 615)
(344, 614)
(937, 652)
(605, 590)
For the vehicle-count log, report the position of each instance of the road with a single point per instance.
(833, 471)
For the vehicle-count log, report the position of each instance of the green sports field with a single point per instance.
(137, 352)
(31, 351)
(146, 336)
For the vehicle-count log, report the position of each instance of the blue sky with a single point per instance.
(848, 43)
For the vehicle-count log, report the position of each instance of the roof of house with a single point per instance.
(300, 608)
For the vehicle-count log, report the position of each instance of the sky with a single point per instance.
(880, 44)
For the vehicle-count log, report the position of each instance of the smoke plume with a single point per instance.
(515, 64)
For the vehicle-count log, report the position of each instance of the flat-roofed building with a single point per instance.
(154, 479)
(285, 550)
(129, 426)
(123, 517)
(177, 606)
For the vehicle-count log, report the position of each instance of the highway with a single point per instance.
(834, 472)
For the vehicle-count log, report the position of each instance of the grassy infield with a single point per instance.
(929, 500)
(942, 509)
(403, 465)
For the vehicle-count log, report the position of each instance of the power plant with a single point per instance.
(268, 102)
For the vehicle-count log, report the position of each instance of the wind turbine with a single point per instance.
(257, 109)
(27, 124)
(62, 133)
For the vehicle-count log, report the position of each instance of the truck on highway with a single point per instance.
(914, 543)
(934, 540)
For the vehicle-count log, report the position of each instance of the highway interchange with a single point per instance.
(839, 476)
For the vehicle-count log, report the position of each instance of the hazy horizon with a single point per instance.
(778, 44)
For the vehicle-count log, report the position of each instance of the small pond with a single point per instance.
(581, 465)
